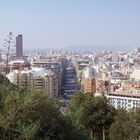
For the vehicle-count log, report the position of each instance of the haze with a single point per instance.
(64, 23)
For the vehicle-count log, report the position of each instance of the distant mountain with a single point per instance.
(96, 48)
(91, 48)
(27, 51)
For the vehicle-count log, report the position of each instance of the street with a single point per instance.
(69, 87)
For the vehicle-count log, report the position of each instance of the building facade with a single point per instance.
(19, 46)
(124, 101)
(35, 79)
(89, 85)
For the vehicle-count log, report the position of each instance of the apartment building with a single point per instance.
(35, 79)
(54, 66)
(89, 85)
(126, 101)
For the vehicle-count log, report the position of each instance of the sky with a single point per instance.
(63, 23)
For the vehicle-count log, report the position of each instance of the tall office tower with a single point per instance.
(19, 44)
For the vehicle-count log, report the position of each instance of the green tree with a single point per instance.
(136, 114)
(30, 115)
(124, 126)
(93, 113)
(75, 107)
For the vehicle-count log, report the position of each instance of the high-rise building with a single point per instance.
(19, 46)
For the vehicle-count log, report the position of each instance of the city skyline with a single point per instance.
(61, 24)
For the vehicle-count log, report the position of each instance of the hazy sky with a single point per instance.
(62, 23)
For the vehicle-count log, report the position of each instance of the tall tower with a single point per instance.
(19, 46)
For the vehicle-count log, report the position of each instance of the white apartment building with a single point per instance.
(135, 74)
(126, 101)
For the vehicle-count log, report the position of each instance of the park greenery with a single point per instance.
(31, 115)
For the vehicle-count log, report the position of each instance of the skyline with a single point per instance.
(61, 24)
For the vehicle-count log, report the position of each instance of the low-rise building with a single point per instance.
(126, 101)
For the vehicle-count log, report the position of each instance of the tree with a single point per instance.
(75, 107)
(136, 114)
(93, 113)
(124, 126)
(30, 115)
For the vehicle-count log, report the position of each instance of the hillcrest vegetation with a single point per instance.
(30, 115)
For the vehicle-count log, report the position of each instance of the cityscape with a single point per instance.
(73, 92)
(62, 73)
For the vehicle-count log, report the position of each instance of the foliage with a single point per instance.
(30, 115)
(97, 116)
(124, 127)
(93, 113)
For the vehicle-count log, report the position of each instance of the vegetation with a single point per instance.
(30, 115)
(126, 126)
(101, 120)
(93, 113)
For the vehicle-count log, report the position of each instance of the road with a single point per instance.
(70, 85)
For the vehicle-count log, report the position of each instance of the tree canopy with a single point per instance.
(125, 126)
(30, 115)
(93, 113)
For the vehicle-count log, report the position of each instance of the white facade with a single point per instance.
(87, 72)
(136, 75)
(126, 102)
(122, 101)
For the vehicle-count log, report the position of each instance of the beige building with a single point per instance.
(49, 64)
(89, 85)
(35, 79)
